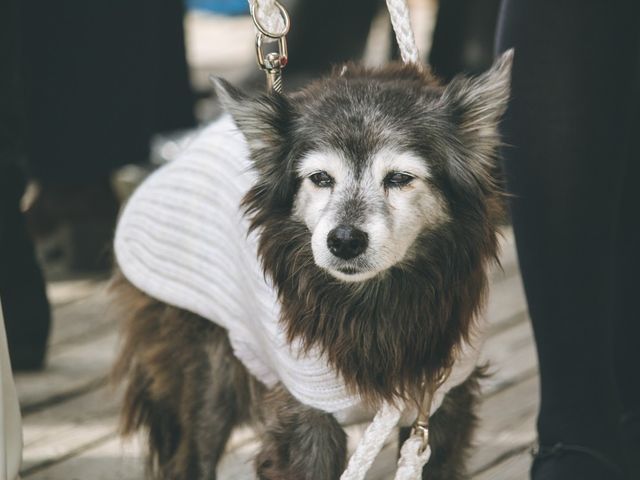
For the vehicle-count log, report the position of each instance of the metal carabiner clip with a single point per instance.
(421, 430)
(272, 62)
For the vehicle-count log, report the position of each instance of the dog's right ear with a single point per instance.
(263, 120)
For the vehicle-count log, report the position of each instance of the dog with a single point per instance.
(376, 205)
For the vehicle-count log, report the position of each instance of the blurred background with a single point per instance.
(96, 95)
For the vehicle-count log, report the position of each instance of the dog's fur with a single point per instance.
(389, 321)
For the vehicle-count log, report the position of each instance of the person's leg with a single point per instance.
(22, 289)
(100, 78)
(627, 313)
(570, 83)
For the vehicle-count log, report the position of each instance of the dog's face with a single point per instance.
(373, 162)
(365, 213)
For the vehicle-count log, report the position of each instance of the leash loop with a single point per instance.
(258, 19)
(272, 62)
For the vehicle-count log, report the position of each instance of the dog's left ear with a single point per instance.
(476, 105)
(479, 102)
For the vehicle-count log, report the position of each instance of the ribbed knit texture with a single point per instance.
(182, 239)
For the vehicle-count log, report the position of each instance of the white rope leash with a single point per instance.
(413, 457)
(412, 460)
(401, 21)
(371, 443)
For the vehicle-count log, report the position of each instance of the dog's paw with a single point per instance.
(270, 465)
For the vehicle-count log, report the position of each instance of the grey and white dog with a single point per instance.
(377, 205)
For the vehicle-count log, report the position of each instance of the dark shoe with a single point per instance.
(630, 431)
(27, 319)
(22, 288)
(573, 462)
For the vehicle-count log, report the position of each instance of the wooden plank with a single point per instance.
(506, 301)
(83, 425)
(112, 459)
(70, 371)
(81, 351)
(65, 291)
(507, 425)
(511, 357)
(55, 432)
(512, 468)
(105, 459)
(81, 320)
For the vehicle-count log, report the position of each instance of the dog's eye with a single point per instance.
(397, 179)
(321, 179)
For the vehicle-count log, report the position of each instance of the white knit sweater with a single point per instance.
(183, 240)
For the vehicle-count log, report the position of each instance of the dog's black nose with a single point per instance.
(347, 242)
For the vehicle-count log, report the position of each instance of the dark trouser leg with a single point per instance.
(100, 79)
(627, 313)
(571, 80)
(22, 291)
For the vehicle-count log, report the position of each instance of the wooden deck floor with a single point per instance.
(70, 412)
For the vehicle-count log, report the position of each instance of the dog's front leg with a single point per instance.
(299, 442)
